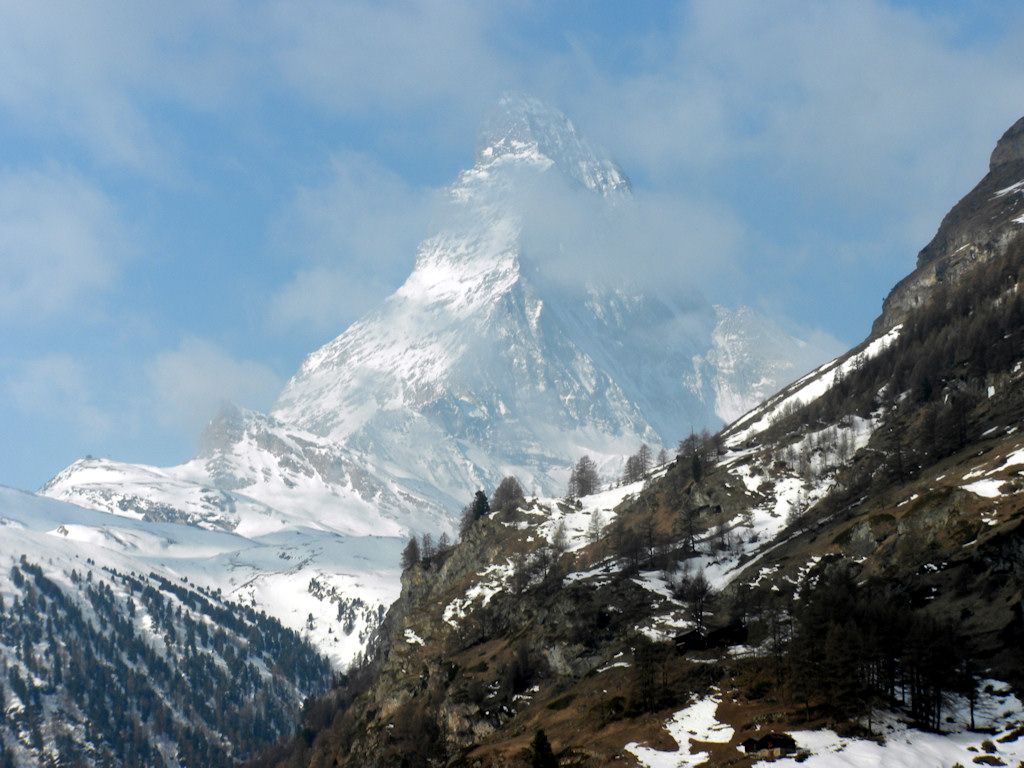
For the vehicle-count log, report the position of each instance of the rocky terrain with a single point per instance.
(981, 226)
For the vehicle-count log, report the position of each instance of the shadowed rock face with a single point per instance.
(1010, 148)
(978, 228)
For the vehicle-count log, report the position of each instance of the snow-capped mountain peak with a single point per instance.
(522, 127)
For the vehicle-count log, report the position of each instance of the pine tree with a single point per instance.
(411, 553)
(698, 596)
(583, 480)
(644, 459)
(543, 756)
(508, 495)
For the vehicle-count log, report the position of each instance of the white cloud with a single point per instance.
(190, 383)
(94, 71)
(56, 388)
(667, 244)
(860, 105)
(107, 74)
(358, 56)
(60, 240)
(355, 240)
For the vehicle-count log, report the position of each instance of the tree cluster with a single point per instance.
(638, 465)
(853, 648)
(934, 375)
(698, 452)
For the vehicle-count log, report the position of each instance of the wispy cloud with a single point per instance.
(191, 382)
(354, 238)
(61, 241)
(56, 388)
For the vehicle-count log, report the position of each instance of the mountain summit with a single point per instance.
(478, 367)
(979, 228)
(834, 579)
(521, 124)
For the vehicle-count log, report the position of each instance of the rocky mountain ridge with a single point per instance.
(978, 228)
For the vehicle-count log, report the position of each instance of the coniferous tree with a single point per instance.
(411, 553)
(481, 507)
(583, 480)
(508, 495)
(542, 756)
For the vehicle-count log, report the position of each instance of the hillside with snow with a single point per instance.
(112, 656)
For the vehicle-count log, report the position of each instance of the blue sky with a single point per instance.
(193, 196)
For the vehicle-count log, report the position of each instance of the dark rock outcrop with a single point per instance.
(979, 227)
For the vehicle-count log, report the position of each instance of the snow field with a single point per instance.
(697, 722)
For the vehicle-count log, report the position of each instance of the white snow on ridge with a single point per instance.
(255, 476)
(479, 366)
(806, 390)
(750, 359)
(1017, 187)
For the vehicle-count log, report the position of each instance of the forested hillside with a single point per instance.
(101, 667)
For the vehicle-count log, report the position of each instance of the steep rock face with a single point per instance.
(982, 225)
(750, 358)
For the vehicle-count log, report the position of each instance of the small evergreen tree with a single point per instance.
(508, 495)
(644, 459)
(411, 553)
(481, 506)
(427, 548)
(698, 596)
(583, 480)
(543, 755)
(444, 544)
(477, 508)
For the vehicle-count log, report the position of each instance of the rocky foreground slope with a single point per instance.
(835, 579)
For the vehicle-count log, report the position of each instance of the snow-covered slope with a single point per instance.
(254, 476)
(330, 588)
(479, 366)
(111, 658)
(751, 357)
